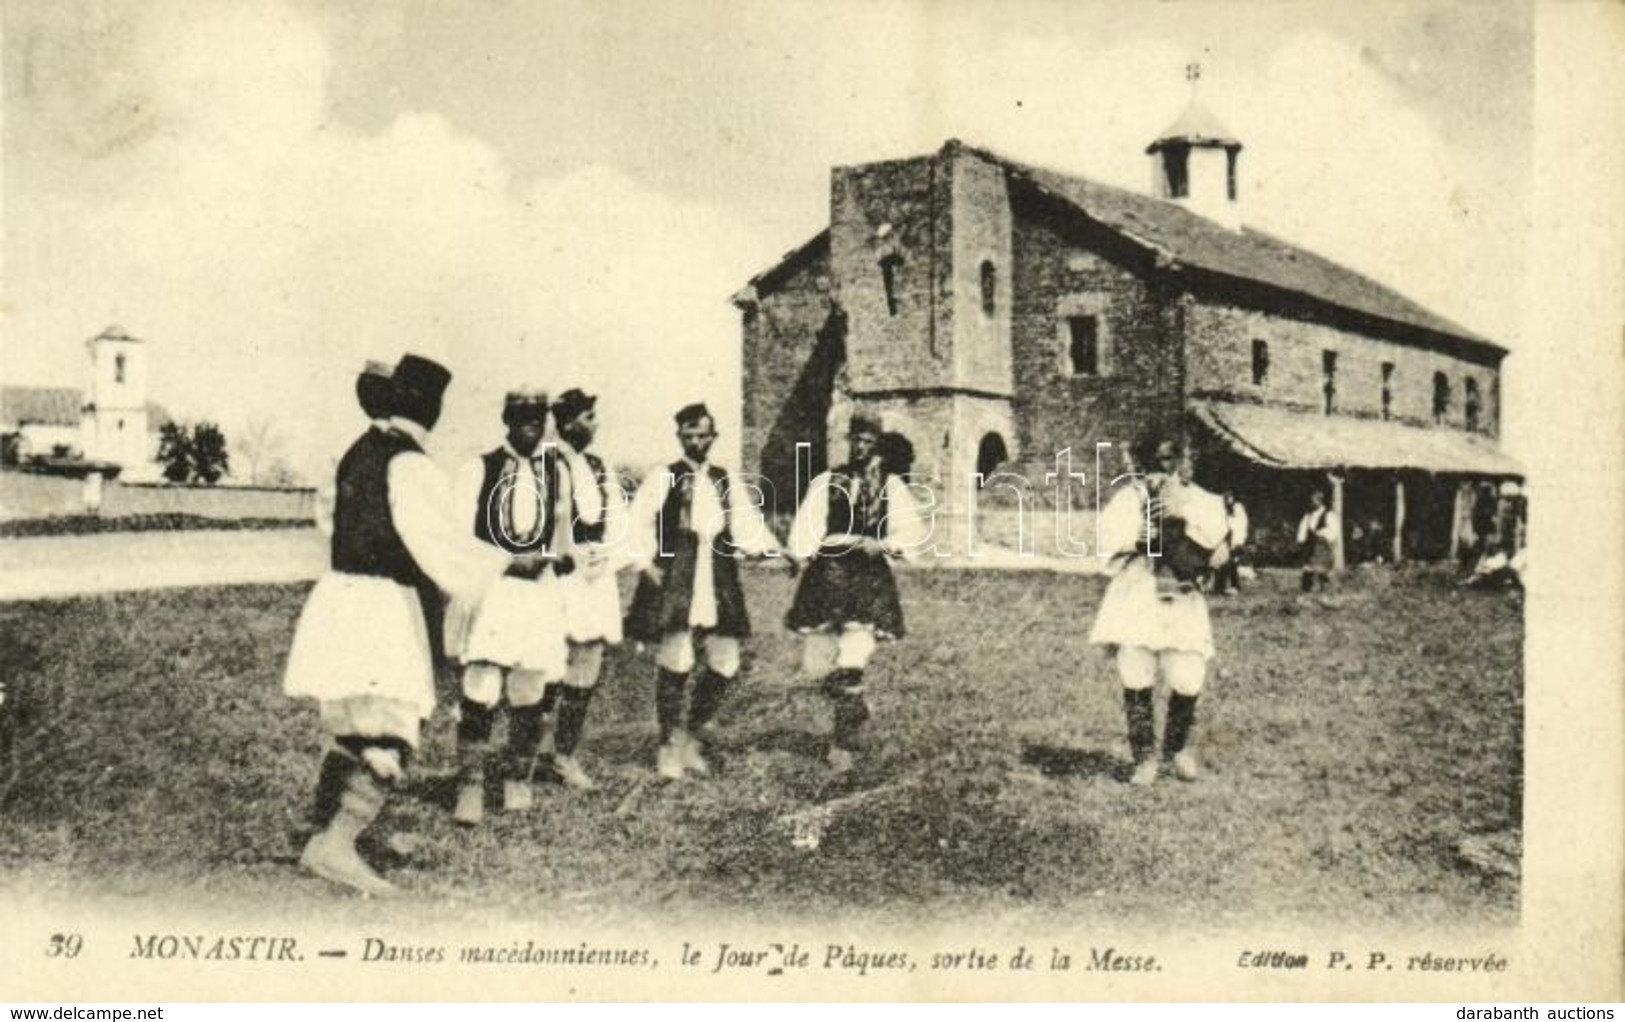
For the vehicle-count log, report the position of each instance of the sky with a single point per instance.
(566, 194)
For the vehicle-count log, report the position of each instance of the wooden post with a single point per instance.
(1455, 525)
(1399, 520)
(1337, 508)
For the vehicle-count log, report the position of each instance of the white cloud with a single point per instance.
(265, 254)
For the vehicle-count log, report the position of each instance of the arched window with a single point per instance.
(1473, 404)
(1441, 397)
(118, 368)
(1387, 389)
(990, 284)
(1328, 384)
(990, 454)
(889, 267)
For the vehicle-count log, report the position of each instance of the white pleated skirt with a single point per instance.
(1133, 613)
(592, 606)
(361, 649)
(519, 623)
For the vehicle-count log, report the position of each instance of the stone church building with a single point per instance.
(109, 422)
(997, 313)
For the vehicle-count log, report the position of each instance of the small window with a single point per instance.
(1472, 405)
(118, 368)
(1387, 390)
(1176, 165)
(1261, 363)
(889, 267)
(1328, 372)
(990, 283)
(121, 425)
(1084, 332)
(1441, 397)
(1230, 173)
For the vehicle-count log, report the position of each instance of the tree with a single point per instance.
(194, 454)
(209, 458)
(175, 452)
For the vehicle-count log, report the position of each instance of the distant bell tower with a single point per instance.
(1193, 162)
(115, 414)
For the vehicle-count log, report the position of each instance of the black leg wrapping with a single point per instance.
(1142, 725)
(335, 771)
(550, 697)
(474, 722)
(573, 705)
(709, 690)
(669, 687)
(474, 741)
(845, 688)
(1176, 731)
(524, 735)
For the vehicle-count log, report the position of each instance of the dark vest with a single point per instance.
(493, 517)
(675, 512)
(592, 532)
(364, 538)
(852, 510)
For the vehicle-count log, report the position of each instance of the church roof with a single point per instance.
(1283, 438)
(1196, 126)
(58, 406)
(114, 332)
(41, 406)
(1182, 239)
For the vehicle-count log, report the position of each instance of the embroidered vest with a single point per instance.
(676, 513)
(493, 516)
(856, 507)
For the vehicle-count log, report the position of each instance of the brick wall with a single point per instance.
(1060, 271)
(896, 213)
(1219, 345)
(791, 351)
(982, 226)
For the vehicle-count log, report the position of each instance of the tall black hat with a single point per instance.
(420, 384)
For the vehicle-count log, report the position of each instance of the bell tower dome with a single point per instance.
(1194, 162)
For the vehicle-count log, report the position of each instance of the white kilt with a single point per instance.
(1133, 614)
(519, 623)
(361, 648)
(592, 606)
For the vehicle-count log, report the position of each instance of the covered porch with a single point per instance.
(1403, 492)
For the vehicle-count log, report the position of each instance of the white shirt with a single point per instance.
(707, 517)
(419, 509)
(906, 527)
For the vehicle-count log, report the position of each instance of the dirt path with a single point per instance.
(61, 566)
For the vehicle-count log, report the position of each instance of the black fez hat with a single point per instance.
(688, 415)
(374, 388)
(572, 403)
(420, 383)
(524, 405)
(863, 422)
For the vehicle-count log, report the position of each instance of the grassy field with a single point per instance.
(1352, 746)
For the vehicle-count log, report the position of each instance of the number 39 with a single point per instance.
(64, 945)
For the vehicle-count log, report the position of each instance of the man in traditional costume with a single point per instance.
(852, 522)
(690, 523)
(1161, 534)
(361, 647)
(511, 644)
(592, 598)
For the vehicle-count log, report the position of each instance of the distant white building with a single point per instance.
(112, 421)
